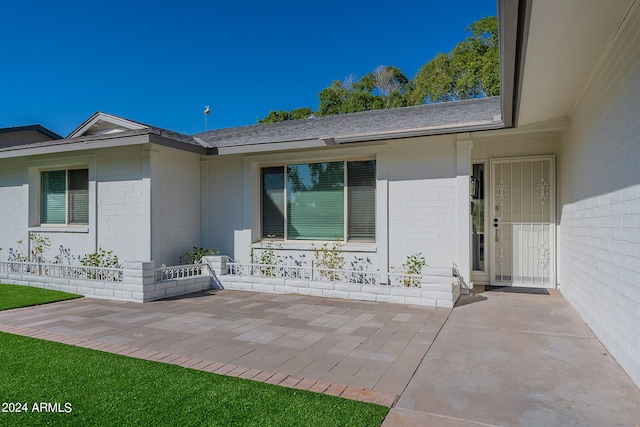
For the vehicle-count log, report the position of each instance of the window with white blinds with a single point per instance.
(361, 198)
(65, 197)
(319, 201)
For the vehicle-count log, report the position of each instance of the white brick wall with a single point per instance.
(13, 222)
(120, 205)
(421, 174)
(224, 212)
(118, 201)
(176, 204)
(422, 200)
(442, 296)
(599, 183)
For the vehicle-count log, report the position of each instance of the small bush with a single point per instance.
(268, 257)
(330, 257)
(413, 265)
(195, 256)
(101, 258)
(39, 244)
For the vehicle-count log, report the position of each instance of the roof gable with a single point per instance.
(105, 124)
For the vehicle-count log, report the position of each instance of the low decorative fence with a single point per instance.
(181, 271)
(142, 281)
(177, 280)
(326, 274)
(62, 270)
(436, 288)
(134, 281)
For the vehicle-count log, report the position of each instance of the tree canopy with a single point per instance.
(470, 70)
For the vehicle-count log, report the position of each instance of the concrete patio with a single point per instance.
(508, 358)
(350, 348)
(499, 358)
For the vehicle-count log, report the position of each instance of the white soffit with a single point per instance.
(566, 40)
(104, 124)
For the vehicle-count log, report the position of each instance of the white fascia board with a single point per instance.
(273, 146)
(75, 146)
(423, 131)
(549, 126)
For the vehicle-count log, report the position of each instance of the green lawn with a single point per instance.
(14, 296)
(87, 388)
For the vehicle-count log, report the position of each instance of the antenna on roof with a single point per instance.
(207, 111)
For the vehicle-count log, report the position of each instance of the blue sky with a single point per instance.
(161, 62)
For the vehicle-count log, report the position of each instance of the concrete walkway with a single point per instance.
(500, 359)
(513, 359)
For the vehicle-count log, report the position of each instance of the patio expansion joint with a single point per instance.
(445, 417)
(532, 332)
(285, 380)
(435, 335)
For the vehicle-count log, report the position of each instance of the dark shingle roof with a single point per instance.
(38, 128)
(444, 117)
(185, 139)
(432, 119)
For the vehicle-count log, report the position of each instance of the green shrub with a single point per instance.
(413, 265)
(268, 258)
(330, 257)
(39, 244)
(195, 256)
(101, 258)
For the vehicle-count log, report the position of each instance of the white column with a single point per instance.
(250, 213)
(382, 212)
(205, 217)
(152, 208)
(464, 145)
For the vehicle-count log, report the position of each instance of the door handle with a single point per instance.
(496, 222)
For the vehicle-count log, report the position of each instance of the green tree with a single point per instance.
(333, 99)
(433, 83)
(470, 70)
(275, 116)
(282, 116)
(300, 113)
(391, 85)
(385, 87)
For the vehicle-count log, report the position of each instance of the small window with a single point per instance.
(273, 206)
(361, 185)
(65, 197)
(319, 201)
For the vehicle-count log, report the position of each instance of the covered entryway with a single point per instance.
(522, 222)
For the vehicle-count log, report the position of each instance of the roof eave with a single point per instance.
(423, 131)
(180, 145)
(73, 145)
(362, 138)
(514, 16)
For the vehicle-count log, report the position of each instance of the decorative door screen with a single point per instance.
(523, 222)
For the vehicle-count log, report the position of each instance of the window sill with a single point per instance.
(307, 246)
(60, 229)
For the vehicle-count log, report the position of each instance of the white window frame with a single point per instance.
(67, 212)
(33, 193)
(346, 199)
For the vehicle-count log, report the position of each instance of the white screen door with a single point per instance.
(523, 222)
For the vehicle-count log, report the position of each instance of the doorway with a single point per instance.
(522, 222)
